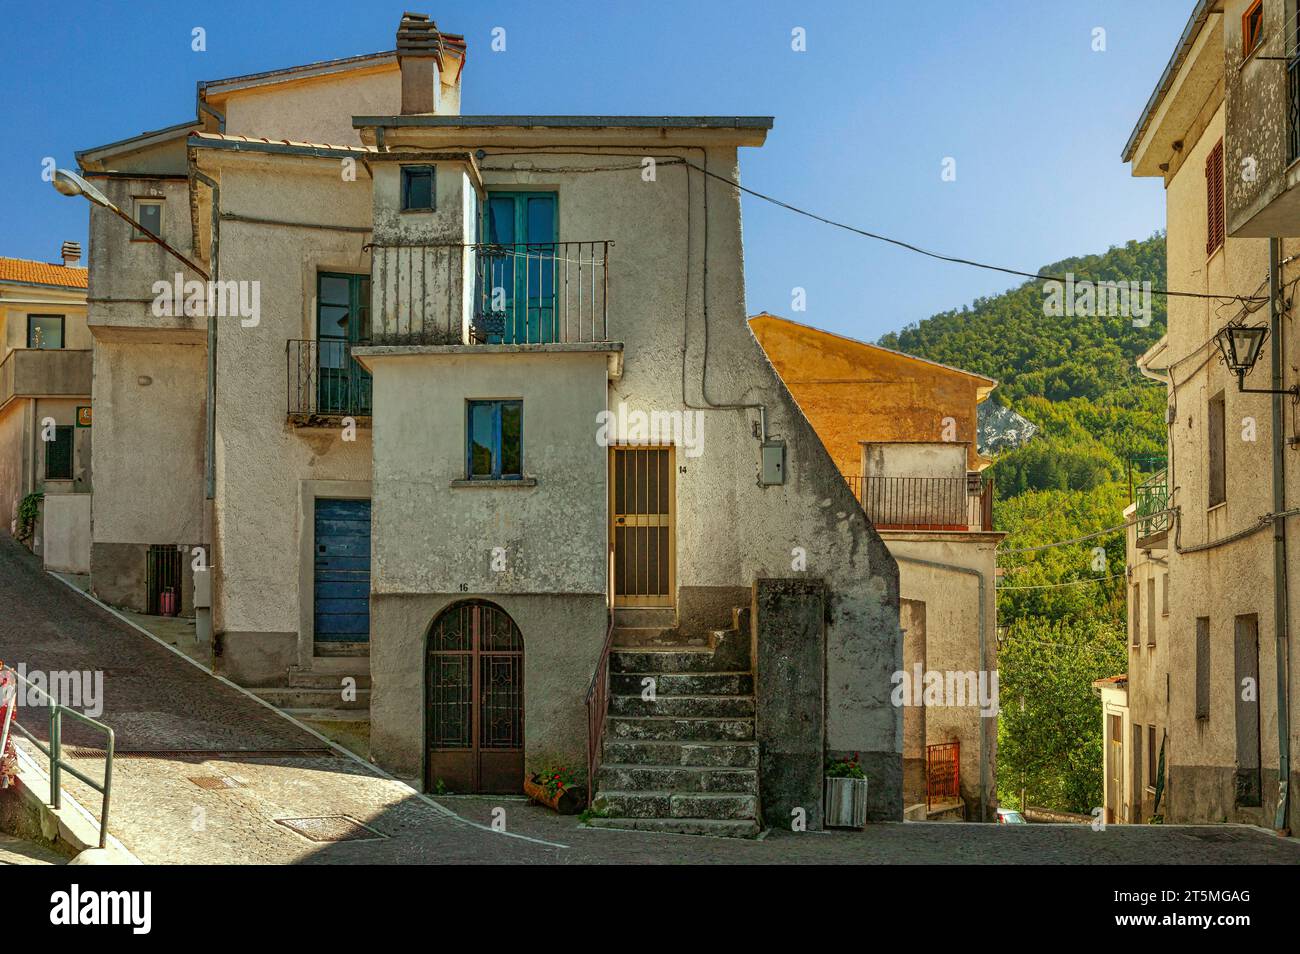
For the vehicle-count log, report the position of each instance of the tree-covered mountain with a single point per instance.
(1061, 610)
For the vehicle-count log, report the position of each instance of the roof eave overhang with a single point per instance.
(732, 130)
(90, 158)
(1137, 149)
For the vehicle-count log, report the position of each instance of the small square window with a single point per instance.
(148, 212)
(1252, 27)
(58, 455)
(45, 331)
(494, 440)
(417, 188)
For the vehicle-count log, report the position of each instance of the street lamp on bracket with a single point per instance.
(1240, 346)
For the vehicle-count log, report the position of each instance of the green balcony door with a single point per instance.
(342, 320)
(520, 274)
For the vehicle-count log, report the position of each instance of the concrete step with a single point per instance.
(663, 660)
(655, 637)
(717, 706)
(303, 679)
(684, 684)
(675, 805)
(668, 754)
(286, 697)
(676, 778)
(718, 828)
(668, 728)
(637, 617)
(355, 716)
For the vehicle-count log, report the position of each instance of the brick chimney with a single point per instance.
(71, 252)
(419, 54)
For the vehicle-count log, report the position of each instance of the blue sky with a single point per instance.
(864, 118)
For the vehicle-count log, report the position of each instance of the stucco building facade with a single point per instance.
(45, 416)
(1217, 686)
(495, 442)
(902, 432)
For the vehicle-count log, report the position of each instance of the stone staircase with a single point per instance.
(685, 761)
(318, 696)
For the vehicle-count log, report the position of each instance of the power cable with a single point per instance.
(1052, 586)
(937, 255)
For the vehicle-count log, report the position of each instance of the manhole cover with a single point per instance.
(216, 781)
(330, 828)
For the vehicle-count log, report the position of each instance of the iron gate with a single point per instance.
(163, 576)
(942, 773)
(475, 701)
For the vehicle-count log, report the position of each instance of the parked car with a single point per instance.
(1009, 816)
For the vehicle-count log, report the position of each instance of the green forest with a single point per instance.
(1061, 611)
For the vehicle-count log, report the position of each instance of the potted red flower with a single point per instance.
(844, 799)
(558, 788)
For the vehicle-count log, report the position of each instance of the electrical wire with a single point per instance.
(946, 258)
(1052, 586)
(1100, 533)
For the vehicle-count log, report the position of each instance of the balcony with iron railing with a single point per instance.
(927, 503)
(484, 294)
(1152, 499)
(326, 384)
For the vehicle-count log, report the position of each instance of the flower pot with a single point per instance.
(568, 801)
(844, 803)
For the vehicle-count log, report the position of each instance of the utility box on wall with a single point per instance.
(772, 463)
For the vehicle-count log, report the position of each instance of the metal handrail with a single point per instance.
(517, 293)
(325, 381)
(54, 751)
(926, 503)
(597, 707)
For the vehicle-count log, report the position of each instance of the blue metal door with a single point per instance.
(342, 609)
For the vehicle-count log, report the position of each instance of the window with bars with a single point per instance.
(1214, 216)
(58, 455)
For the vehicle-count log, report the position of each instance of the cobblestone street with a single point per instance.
(206, 774)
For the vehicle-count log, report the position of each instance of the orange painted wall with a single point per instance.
(853, 392)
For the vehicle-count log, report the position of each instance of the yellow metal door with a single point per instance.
(642, 504)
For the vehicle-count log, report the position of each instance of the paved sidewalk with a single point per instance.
(206, 774)
(15, 851)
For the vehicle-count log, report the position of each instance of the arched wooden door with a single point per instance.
(474, 695)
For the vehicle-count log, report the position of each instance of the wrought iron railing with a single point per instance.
(10, 683)
(597, 707)
(556, 292)
(1152, 498)
(325, 381)
(942, 773)
(926, 503)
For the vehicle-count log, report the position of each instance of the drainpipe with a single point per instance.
(984, 763)
(210, 470)
(1280, 608)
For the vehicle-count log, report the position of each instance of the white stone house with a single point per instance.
(498, 443)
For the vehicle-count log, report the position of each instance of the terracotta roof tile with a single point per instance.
(41, 273)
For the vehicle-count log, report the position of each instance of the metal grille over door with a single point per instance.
(475, 698)
(641, 508)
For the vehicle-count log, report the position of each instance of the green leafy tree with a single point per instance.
(1049, 729)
